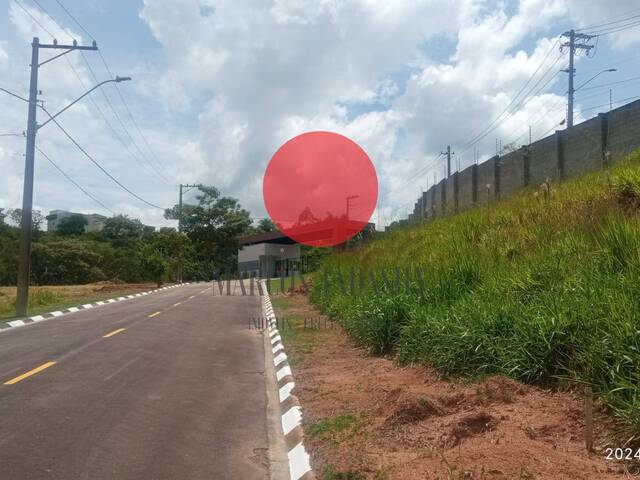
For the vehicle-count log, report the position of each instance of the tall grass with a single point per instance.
(543, 287)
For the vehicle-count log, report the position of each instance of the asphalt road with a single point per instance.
(167, 386)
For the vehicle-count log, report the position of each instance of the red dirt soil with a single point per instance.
(408, 423)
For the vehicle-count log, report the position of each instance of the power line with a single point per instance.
(13, 94)
(121, 122)
(487, 129)
(607, 104)
(35, 20)
(531, 95)
(97, 164)
(417, 174)
(612, 83)
(74, 19)
(615, 29)
(133, 120)
(73, 181)
(126, 131)
(621, 17)
(108, 123)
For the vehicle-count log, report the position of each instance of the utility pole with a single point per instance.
(180, 260)
(448, 154)
(182, 189)
(26, 222)
(573, 46)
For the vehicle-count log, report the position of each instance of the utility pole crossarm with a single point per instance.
(26, 222)
(573, 46)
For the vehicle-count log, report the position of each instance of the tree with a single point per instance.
(65, 262)
(266, 225)
(213, 226)
(72, 226)
(122, 230)
(153, 263)
(16, 217)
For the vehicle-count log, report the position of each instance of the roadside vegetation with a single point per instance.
(126, 251)
(46, 299)
(543, 287)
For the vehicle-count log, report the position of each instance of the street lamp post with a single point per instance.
(572, 92)
(24, 260)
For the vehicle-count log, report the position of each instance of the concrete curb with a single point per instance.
(58, 313)
(291, 412)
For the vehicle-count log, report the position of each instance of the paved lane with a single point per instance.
(168, 386)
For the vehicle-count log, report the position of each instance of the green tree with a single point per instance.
(153, 263)
(16, 217)
(72, 226)
(122, 230)
(213, 225)
(64, 262)
(266, 225)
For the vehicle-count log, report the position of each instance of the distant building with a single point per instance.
(95, 222)
(268, 255)
(272, 254)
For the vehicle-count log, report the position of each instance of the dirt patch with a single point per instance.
(412, 424)
(469, 426)
(412, 411)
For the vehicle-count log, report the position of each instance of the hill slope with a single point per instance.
(543, 287)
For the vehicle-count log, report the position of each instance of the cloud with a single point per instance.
(403, 78)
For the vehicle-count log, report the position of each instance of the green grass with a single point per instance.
(330, 474)
(543, 287)
(298, 339)
(43, 300)
(330, 426)
(275, 285)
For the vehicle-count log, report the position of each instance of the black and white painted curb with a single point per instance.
(291, 413)
(86, 306)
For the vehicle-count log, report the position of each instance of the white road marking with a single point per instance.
(291, 419)
(285, 391)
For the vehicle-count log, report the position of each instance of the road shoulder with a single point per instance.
(366, 417)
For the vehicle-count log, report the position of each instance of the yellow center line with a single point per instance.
(115, 332)
(154, 314)
(29, 373)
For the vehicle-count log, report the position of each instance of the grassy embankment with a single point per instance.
(49, 298)
(543, 287)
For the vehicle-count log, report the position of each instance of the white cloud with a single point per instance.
(403, 78)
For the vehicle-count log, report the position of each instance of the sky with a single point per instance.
(219, 85)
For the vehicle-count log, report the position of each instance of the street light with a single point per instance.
(24, 259)
(595, 76)
(571, 92)
(115, 80)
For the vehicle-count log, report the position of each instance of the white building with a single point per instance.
(95, 222)
(268, 255)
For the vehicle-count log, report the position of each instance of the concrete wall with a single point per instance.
(511, 173)
(582, 148)
(450, 194)
(466, 188)
(623, 130)
(543, 161)
(438, 205)
(588, 146)
(486, 189)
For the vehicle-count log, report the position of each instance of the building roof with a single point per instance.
(310, 234)
(268, 237)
